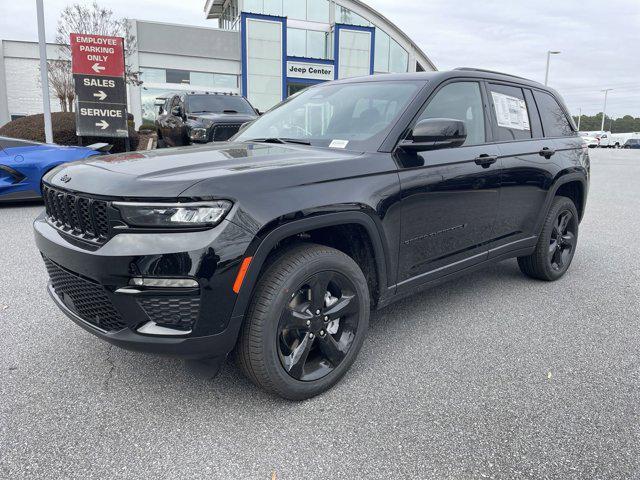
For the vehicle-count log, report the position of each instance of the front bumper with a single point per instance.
(212, 257)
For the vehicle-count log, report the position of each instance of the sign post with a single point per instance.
(97, 63)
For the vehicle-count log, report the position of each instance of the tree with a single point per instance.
(93, 20)
(625, 124)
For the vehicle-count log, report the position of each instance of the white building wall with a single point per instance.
(24, 90)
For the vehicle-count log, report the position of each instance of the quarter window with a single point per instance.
(460, 101)
(511, 112)
(554, 121)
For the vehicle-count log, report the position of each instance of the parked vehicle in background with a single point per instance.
(632, 143)
(349, 196)
(618, 140)
(23, 164)
(591, 140)
(200, 117)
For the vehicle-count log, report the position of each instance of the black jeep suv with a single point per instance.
(346, 197)
(200, 117)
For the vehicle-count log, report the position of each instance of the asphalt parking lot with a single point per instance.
(491, 376)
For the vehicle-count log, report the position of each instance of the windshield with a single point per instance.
(218, 104)
(355, 116)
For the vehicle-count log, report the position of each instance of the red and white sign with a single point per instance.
(97, 55)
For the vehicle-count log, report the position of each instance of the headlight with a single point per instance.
(204, 214)
(198, 134)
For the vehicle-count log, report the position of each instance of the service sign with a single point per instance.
(97, 55)
(101, 120)
(101, 93)
(309, 71)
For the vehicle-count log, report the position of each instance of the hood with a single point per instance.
(166, 173)
(209, 118)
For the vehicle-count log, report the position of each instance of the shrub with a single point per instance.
(64, 131)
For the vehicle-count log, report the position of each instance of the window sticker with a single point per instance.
(339, 144)
(511, 112)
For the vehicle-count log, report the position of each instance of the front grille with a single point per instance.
(77, 215)
(85, 298)
(176, 312)
(222, 133)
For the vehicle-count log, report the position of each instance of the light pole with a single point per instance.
(604, 109)
(44, 77)
(579, 117)
(549, 53)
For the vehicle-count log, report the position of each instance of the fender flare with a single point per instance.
(266, 245)
(562, 179)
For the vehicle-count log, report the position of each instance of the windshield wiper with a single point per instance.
(280, 140)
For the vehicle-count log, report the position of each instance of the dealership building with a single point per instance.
(265, 50)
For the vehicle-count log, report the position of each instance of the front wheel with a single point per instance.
(556, 244)
(306, 322)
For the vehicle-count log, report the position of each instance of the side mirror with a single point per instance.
(436, 133)
(176, 111)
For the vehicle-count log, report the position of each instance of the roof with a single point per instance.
(213, 8)
(440, 76)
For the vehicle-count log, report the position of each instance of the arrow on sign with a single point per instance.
(96, 67)
(102, 124)
(100, 95)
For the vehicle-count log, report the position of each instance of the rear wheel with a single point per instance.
(556, 245)
(306, 322)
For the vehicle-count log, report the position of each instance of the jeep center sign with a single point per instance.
(97, 63)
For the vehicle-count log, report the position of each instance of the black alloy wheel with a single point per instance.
(318, 326)
(557, 242)
(306, 323)
(563, 240)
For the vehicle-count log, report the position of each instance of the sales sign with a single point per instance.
(97, 63)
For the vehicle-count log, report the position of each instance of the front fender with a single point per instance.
(264, 243)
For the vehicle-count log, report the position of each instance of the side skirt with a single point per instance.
(415, 286)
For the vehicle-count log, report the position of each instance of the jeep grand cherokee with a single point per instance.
(348, 196)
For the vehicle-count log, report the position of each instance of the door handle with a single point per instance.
(547, 152)
(486, 160)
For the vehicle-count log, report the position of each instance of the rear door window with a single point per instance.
(554, 120)
(510, 111)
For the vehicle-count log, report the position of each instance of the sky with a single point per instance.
(599, 40)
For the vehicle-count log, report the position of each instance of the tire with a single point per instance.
(553, 254)
(266, 353)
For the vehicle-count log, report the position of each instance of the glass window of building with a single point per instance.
(272, 7)
(381, 62)
(153, 75)
(344, 15)
(296, 42)
(253, 6)
(264, 63)
(296, 9)
(355, 53)
(201, 79)
(225, 81)
(398, 58)
(318, 11)
(307, 43)
(316, 44)
(178, 76)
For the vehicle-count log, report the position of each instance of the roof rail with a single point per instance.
(469, 69)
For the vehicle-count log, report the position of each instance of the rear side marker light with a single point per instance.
(241, 274)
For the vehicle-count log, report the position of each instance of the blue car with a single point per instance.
(23, 163)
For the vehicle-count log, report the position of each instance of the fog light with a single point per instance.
(164, 282)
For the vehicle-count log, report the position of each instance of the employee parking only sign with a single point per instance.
(97, 63)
